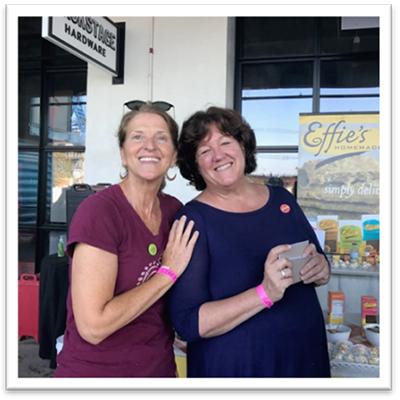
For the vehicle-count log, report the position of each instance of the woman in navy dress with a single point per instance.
(236, 304)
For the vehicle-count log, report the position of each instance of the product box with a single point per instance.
(350, 235)
(335, 307)
(371, 227)
(329, 224)
(369, 310)
(318, 232)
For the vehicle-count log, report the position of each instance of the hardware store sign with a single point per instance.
(339, 164)
(93, 39)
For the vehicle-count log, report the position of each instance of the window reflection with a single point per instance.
(350, 91)
(277, 36)
(349, 104)
(54, 237)
(355, 77)
(277, 169)
(29, 108)
(277, 92)
(277, 79)
(344, 78)
(28, 172)
(67, 110)
(65, 169)
(275, 121)
(67, 124)
(335, 39)
(276, 164)
(34, 117)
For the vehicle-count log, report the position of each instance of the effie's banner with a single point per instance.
(339, 164)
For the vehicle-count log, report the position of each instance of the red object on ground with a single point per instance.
(28, 306)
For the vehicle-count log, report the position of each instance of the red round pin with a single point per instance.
(285, 208)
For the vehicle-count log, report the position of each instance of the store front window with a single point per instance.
(52, 130)
(349, 86)
(290, 66)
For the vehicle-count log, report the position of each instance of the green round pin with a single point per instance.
(152, 249)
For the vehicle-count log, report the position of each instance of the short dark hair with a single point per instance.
(196, 127)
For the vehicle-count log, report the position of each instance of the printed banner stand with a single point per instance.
(338, 179)
(339, 164)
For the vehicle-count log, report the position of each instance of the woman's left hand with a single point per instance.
(317, 269)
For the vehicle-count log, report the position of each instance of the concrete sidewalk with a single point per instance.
(30, 365)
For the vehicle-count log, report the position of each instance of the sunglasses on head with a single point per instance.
(136, 104)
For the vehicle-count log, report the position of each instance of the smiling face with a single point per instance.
(148, 150)
(220, 159)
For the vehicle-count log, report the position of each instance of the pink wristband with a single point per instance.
(167, 271)
(263, 296)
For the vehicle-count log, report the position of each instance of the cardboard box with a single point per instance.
(369, 310)
(371, 227)
(329, 224)
(335, 307)
(350, 235)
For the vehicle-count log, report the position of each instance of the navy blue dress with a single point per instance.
(287, 340)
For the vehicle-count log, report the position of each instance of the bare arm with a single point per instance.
(97, 312)
(221, 316)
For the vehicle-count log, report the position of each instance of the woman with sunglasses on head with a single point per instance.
(237, 304)
(124, 257)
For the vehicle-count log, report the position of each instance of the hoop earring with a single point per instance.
(169, 178)
(123, 172)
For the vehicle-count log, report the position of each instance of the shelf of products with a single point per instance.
(355, 272)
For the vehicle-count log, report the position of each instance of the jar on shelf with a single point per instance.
(354, 253)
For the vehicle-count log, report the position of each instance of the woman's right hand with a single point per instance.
(275, 281)
(180, 245)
